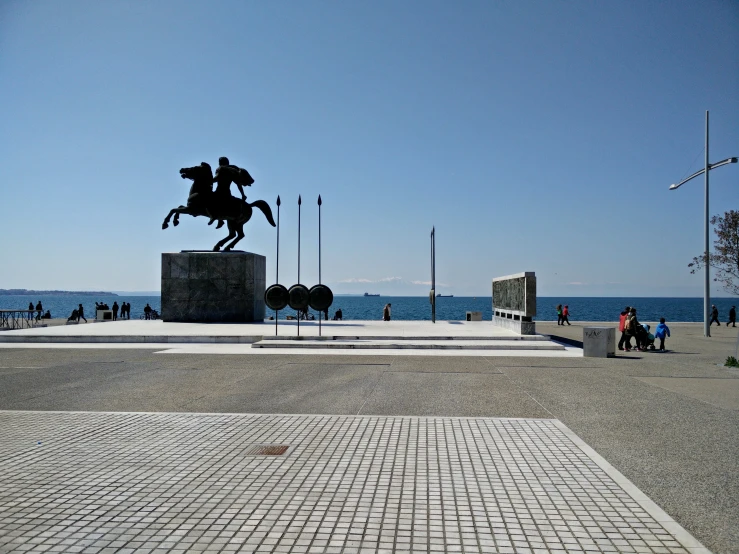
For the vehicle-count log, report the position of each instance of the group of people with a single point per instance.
(39, 309)
(305, 315)
(714, 316)
(630, 327)
(124, 309)
(563, 315)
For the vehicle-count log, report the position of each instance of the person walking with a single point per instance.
(714, 316)
(115, 310)
(625, 342)
(566, 315)
(660, 332)
(128, 310)
(386, 312)
(559, 314)
(81, 313)
(732, 317)
(40, 310)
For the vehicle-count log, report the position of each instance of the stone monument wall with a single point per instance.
(514, 302)
(213, 287)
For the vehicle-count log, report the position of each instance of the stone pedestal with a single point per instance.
(513, 323)
(103, 315)
(599, 342)
(213, 287)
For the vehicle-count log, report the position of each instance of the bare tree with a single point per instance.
(725, 259)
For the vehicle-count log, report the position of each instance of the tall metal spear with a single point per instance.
(300, 201)
(319, 256)
(277, 270)
(433, 274)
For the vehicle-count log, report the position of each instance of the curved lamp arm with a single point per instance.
(702, 171)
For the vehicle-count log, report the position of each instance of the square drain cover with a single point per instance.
(267, 450)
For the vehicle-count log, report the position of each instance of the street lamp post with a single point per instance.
(707, 273)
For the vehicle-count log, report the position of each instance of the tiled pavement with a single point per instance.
(172, 482)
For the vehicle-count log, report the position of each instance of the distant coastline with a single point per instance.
(26, 292)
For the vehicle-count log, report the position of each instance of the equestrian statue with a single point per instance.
(219, 204)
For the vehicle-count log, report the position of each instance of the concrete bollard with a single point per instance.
(598, 342)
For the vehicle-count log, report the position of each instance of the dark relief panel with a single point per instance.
(510, 294)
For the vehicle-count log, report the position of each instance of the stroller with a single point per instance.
(645, 338)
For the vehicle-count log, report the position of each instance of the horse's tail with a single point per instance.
(266, 210)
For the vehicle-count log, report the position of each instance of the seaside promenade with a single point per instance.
(223, 447)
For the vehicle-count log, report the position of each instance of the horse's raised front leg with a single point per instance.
(171, 212)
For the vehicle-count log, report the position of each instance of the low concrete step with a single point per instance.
(368, 344)
(526, 338)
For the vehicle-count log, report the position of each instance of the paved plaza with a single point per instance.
(156, 448)
(115, 482)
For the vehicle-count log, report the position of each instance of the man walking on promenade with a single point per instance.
(81, 313)
(714, 316)
(115, 310)
(732, 317)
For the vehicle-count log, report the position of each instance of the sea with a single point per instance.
(419, 308)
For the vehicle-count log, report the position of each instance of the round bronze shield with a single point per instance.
(321, 297)
(299, 297)
(276, 297)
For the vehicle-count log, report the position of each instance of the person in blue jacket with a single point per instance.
(660, 332)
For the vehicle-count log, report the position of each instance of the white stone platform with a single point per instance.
(184, 482)
(160, 331)
(337, 337)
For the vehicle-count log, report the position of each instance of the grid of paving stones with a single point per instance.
(164, 482)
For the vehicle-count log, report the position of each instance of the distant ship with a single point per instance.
(444, 296)
(368, 294)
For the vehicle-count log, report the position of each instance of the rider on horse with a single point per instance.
(219, 204)
(222, 200)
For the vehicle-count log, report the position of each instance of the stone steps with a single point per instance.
(410, 344)
(527, 338)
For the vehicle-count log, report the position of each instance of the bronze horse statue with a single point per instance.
(203, 202)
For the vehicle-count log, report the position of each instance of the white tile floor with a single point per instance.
(166, 482)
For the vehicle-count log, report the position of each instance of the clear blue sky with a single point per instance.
(535, 136)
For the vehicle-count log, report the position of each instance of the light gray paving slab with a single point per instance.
(168, 482)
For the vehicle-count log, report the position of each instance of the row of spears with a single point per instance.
(299, 297)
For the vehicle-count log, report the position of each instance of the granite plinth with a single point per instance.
(515, 325)
(213, 287)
